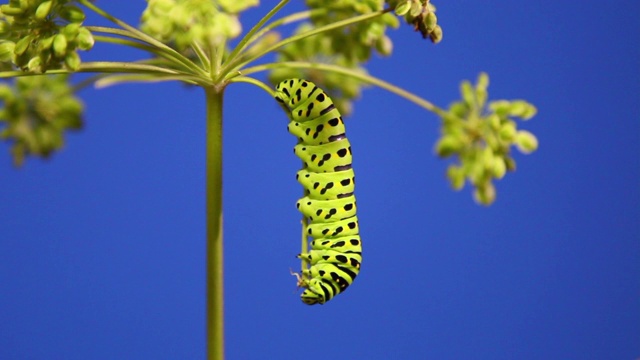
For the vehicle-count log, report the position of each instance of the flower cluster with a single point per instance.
(481, 138)
(36, 112)
(183, 22)
(422, 15)
(38, 35)
(355, 42)
(349, 47)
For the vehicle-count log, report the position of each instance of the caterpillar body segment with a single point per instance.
(323, 185)
(329, 203)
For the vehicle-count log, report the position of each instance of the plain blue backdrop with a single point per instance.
(102, 247)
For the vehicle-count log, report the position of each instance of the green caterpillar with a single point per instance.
(328, 179)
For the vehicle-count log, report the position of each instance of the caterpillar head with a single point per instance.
(311, 298)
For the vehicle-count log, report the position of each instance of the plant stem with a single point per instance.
(243, 42)
(352, 73)
(215, 299)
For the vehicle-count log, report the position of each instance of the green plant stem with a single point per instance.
(353, 73)
(215, 299)
(255, 82)
(284, 21)
(145, 43)
(245, 40)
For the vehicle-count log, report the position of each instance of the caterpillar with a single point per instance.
(328, 204)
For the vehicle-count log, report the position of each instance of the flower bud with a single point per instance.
(59, 45)
(456, 177)
(485, 194)
(468, 95)
(72, 60)
(499, 167)
(526, 142)
(72, 13)
(448, 145)
(384, 45)
(35, 64)
(6, 50)
(70, 31)
(9, 10)
(522, 109)
(85, 39)
(46, 43)
(508, 131)
(436, 35)
(416, 9)
(430, 21)
(22, 45)
(43, 10)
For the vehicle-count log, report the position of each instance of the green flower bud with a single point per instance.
(43, 10)
(448, 145)
(10, 10)
(72, 60)
(510, 163)
(384, 45)
(35, 64)
(485, 194)
(526, 142)
(60, 45)
(403, 8)
(483, 81)
(494, 121)
(508, 131)
(499, 168)
(6, 50)
(500, 107)
(459, 109)
(436, 35)
(456, 177)
(70, 31)
(72, 13)
(430, 21)
(85, 39)
(468, 93)
(416, 9)
(22, 45)
(522, 109)
(46, 43)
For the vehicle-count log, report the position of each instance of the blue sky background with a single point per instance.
(102, 247)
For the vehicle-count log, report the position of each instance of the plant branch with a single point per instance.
(255, 82)
(285, 21)
(245, 40)
(352, 73)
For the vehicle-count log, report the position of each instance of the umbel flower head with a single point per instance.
(39, 35)
(183, 22)
(35, 114)
(480, 137)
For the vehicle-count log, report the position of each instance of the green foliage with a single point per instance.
(39, 35)
(480, 136)
(36, 112)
